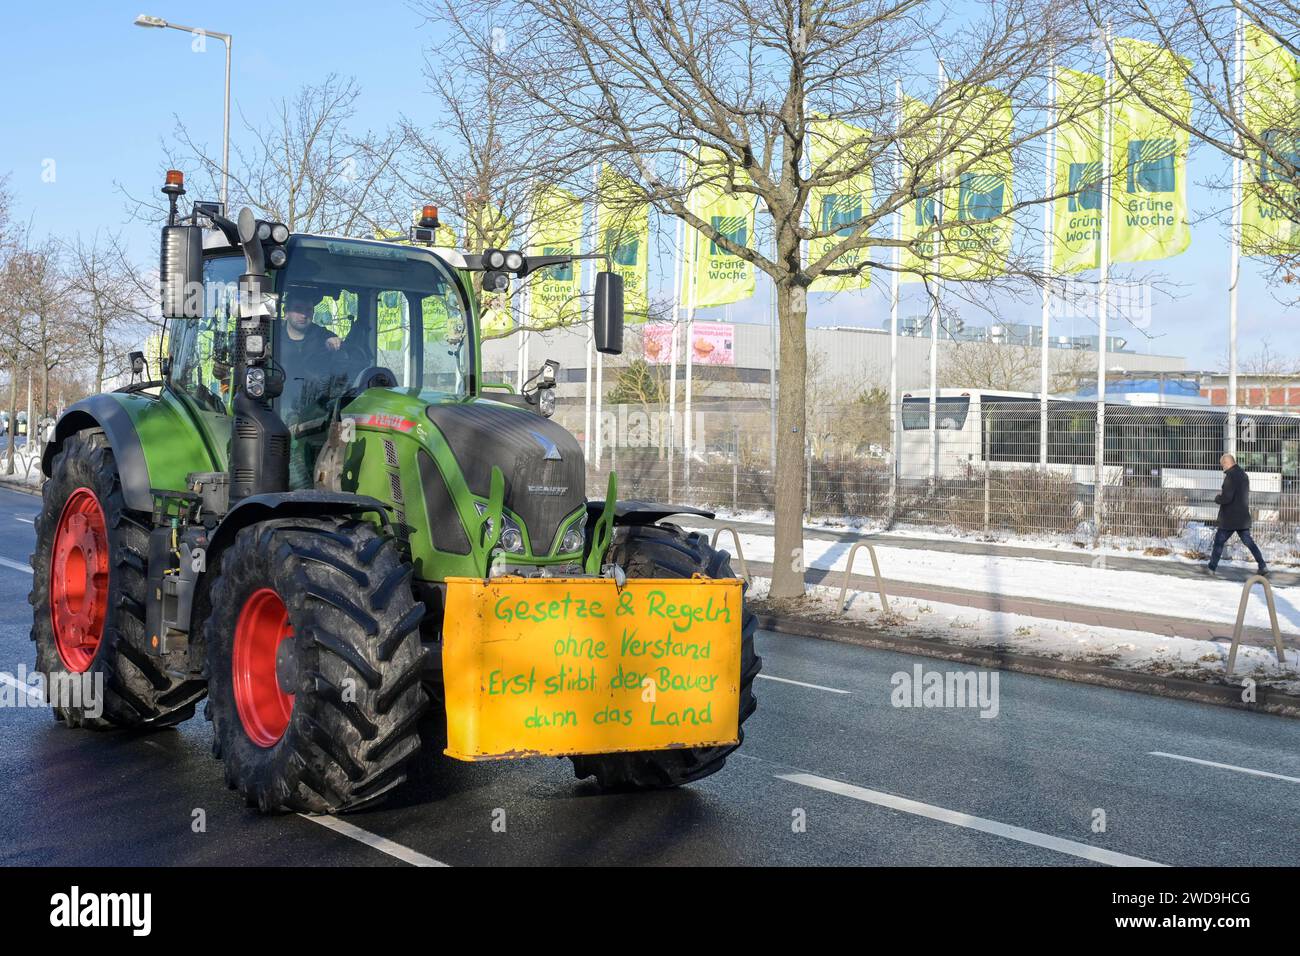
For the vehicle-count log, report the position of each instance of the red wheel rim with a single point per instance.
(264, 708)
(79, 580)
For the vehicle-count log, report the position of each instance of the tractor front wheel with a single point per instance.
(88, 597)
(314, 664)
(666, 551)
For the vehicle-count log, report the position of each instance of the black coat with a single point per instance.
(1234, 500)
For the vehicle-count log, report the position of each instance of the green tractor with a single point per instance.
(296, 517)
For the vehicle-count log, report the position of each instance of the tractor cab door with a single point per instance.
(200, 352)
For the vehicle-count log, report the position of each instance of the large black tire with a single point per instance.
(136, 690)
(353, 659)
(666, 551)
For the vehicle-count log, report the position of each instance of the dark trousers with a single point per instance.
(1221, 538)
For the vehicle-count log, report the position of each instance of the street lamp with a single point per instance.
(143, 20)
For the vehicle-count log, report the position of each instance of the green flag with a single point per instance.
(920, 213)
(1148, 154)
(977, 192)
(1271, 108)
(714, 276)
(1076, 218)
(837, 147)
(623, 218)
(554, 293)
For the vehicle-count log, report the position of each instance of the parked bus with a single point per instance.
(1147, 445)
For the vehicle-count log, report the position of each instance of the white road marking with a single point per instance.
(15, 565)
(33, 692)
(929, 811)
(24, 520)
(786, 680)
(1224, 766)
(382, 844)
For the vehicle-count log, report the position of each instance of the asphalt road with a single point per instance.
(870, 783)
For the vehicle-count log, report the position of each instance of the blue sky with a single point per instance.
(97, 95)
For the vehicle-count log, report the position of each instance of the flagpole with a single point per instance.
(937, 298)
(593, 240)
(680, 263)
(1234, 260)
(771, 346)
(894, 283)
(1103, 292)
(1048, 209)
(600, 364)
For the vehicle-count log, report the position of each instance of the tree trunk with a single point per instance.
(791, 419)
(101, 346)
(13, 420)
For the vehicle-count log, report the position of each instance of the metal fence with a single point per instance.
(980, 467)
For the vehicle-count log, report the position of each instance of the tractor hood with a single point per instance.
(542, 463)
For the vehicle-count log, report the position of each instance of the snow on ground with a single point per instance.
(1195, 539)
(1057, 640)
(1096, 586)
(27, 469)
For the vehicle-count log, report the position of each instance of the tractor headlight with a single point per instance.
(496, 282)
(255, 382)
(494, 258)
(279, 232)
(573, 540)
(514, 261)
(546, 402)
(277, 257)
(512, 541)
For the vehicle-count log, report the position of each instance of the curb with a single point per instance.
(24, 487)
(1180, 688)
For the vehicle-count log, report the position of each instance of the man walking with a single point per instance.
(1234, 513)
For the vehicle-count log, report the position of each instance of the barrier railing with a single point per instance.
(1241, 619)
(740, 553)
(875, 567)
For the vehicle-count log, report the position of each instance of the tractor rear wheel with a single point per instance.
(314, 664)
(666, 551)
(88, 596)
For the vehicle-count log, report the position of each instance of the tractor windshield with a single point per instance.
(349, 305)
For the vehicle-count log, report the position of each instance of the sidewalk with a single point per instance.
(1039, 608)
(981, 548)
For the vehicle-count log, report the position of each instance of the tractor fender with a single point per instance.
(107, 413)
(635, 512)
(290, 504)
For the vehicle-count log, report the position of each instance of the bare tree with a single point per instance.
(110, 307)
(299, 165)
(481, 162)
(647, 84)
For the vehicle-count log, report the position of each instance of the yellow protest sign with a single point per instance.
(557, 666)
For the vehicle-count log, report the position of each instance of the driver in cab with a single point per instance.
(314, 375)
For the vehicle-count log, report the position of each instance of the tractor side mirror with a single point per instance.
(607, 313)
(180, 272)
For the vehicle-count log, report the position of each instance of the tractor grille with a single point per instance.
(444, 524)
(390, 453)
(540, 461)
